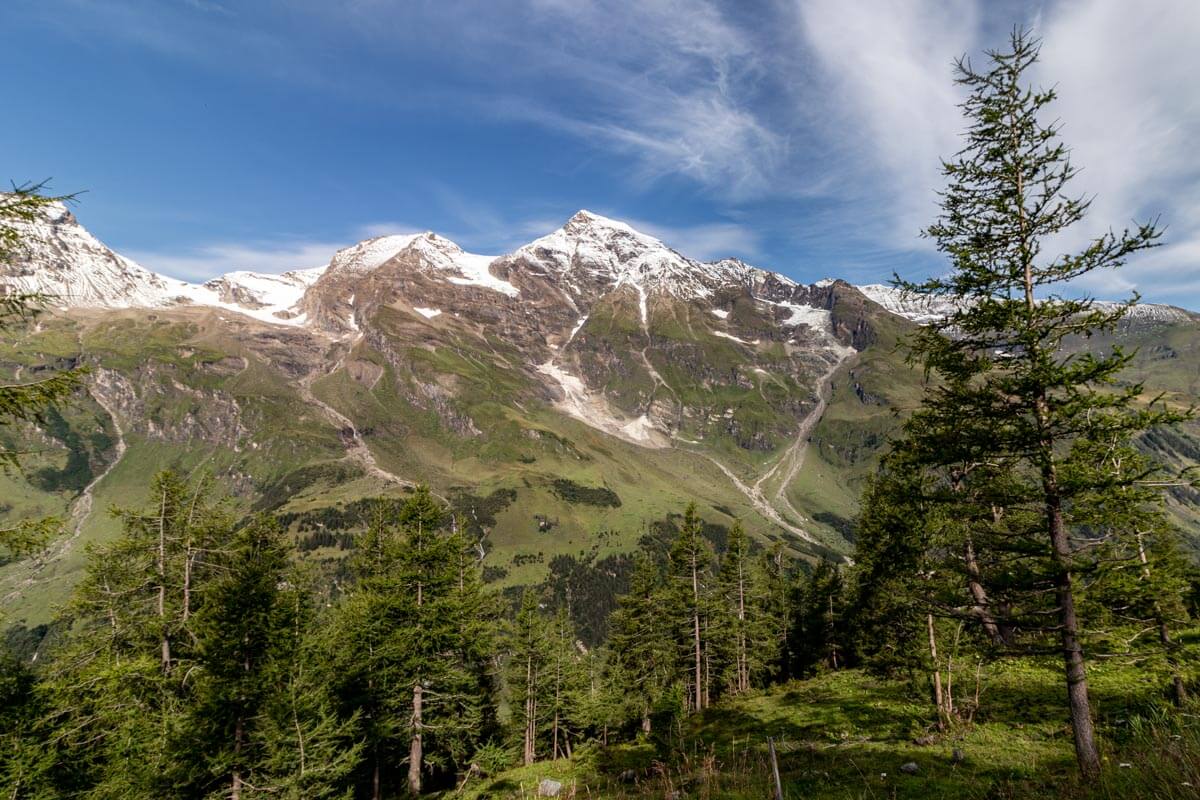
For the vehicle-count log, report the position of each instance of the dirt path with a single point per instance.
(761, 504)
(356, 448)
(793, 458)
(790, 462)
(81, 507)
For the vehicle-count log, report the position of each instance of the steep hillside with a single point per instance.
(567, 398)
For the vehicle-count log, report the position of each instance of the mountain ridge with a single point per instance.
(59, 247)
(595, 358)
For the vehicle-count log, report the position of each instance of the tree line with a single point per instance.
(201, 659)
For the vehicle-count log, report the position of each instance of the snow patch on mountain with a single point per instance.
(461, 267)
(919, 309)
(369, 254)
(58, 257)
(593, 250)
(819, 319)
(594, 410)
(725, 335)
(924, 309)
(1149, 312)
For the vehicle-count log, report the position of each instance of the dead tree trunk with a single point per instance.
(979, 596)
(416, 749)
(938, 700)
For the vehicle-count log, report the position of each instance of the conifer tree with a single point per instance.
(527, 654)
(28, 761)
(744, 617)
(308, 750)
(690, 573)
(641, 642)
(888, 594)
(566, 681)
(1008, 418)
(817, 635)
(409, 647)
(777, 613)
(240, 631)
(118, 689)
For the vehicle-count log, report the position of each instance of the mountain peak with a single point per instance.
(586, 224)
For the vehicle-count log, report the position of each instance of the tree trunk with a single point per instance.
(1086, 752)
(554, 747)
(530, 712)
(1178, 690)
(696, 630)
(979, 595)
(415, 752)
(162, 582)
(235, 791)
(376, 781)
(646, 723)
(1179, 693)
(743, 666)
(938, 700)
(833, 648)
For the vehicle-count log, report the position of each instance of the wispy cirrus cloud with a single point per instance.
(1128, 100)
(839, 110)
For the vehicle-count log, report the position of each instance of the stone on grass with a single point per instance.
(910, 768)
(549, 788)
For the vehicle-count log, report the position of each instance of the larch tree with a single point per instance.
(641, 643)
(409, 647)
(690, 571)
(119, 689)
(743, 613)
(1012, 410)
(528, 653)
(241, 631)
(566, 682)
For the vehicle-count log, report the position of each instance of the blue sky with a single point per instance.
(802, 136)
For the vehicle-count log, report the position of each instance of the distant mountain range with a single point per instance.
(565, 397)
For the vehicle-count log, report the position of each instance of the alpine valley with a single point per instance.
(566, 398)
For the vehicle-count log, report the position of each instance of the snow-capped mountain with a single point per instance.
(596, 353)
(591, 252)
(923, 310)
(588, 258)
(58, 257)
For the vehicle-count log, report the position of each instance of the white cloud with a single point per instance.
(1128, 98)
(673, 85)
(706, 242)
(889, 103)
(202, 263)
(850, 103)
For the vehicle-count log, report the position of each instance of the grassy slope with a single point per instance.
(290, 448)
(845, 735)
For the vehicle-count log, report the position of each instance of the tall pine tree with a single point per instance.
(1011, 412)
